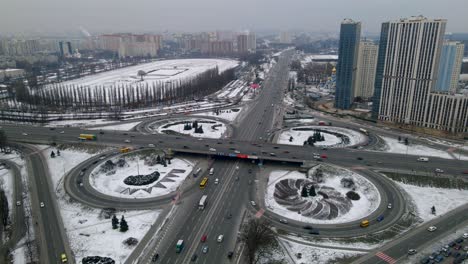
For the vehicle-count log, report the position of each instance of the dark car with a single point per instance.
(457, 247)
(460, 240)
(250, 170)
(380, 218)
(155, 257)
(219, 143)
(101, 132)
(276, 147)
(194, 257)
(185, 147)
(359, 158)
(308, 227)
(314, 232)
(452, 244)
(425, 260)
(52, 128)
(456, 254)
(230, 254)
(125, 134)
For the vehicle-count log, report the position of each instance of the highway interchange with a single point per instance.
(230, 197)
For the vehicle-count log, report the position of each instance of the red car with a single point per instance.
(323, 156)
(465, 172)
(203, 238)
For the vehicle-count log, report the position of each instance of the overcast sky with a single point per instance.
(43, 16)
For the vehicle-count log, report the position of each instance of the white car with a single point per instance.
(220, 238)
(236, 151)
(439, 170)
(216, 181)
(24, 134)
(253, 203)
(389, 206)
(127, 141)
(62, 132)
(42, 204)
(18, 203)
(151, 145)
(431, 228)
(212, 149)
(465, 235)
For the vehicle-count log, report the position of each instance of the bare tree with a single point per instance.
(258, 238)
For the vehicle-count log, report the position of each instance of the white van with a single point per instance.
(424, 159)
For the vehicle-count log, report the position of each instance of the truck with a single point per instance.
(179, 245)
(202, 203)
(87, 137)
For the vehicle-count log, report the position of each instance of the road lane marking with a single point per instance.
(385, 257)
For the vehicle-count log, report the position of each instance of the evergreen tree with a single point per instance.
(115, 222)
(123, 225)
(399, 138)
(52, 154)
(312, 191)
(58, 152)
(406, 142)
(304, 192)
(158, 159)
(291, 139)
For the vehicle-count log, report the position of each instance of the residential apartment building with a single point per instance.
(346, 68)
(450, 66)
(132, 45)
(366, 66)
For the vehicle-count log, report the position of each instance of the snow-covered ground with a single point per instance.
(7, 184)
(349, 210)
(121, 127)
(226, 114)
(79, 123)
(316, 255)
(88, 232)
(234, 89)
(331, 140)
(444, 200)
(399, 147)
(211, 128)
(113, 183)
(166, 70)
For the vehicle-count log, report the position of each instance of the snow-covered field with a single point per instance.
(79, 123)
(348, 210)
(7, 184)
(121, 127)
(444, 200)
(316, 255)
(211, 128)
(226, 114)
(167, 70)
(234, 89)
(113, 183)
(399, 147)
(88, 232)
(331, 140)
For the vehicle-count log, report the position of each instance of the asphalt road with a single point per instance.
(51, 237)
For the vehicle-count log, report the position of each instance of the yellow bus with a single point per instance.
(203, 183)
(365, 223)
(125, 149)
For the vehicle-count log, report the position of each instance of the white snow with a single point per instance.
(113, 185)
(369, 201)
(399, 147)
(226, 114)
(214, 129)
(78, 123)
(313, 255)
(7, 184)
(19, 253)
(166, 70)
(121, 127)
(89, 235)
(444, 200)
(299, 136)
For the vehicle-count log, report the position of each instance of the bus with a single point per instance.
(202, 203)
(203, 183)
(87, 137)
(364, 223)
(179, 246)
(125, 150)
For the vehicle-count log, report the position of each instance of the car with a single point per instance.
(237, 167)
(236, 151)
(323, 156)
(412, 251)
(216, 181)
(230, 254)
(456, 254)
(465, 172)
(228, 215)
(253, 203)
(272, 154)
(18, 203)
(219, 143)
(63, 258)
(151, 145)
(127, 141)
(287, 152)
(203, 238)
(439, 259)
(465, 235)
(230, 142)
(250, 170)
(380, 218)
(283, 221)
(459, 240)
(465, 248)
(155, 257)
(425, 260)
(62, 132)
(125, 134)
(457, 247)
(314, 232)
(276, 147)
(205, 249)
(24, 134)
(308, 227)
(432, 228)
(220, 238)
(200, 139)
(52, 128)
(452, 244)
(389, 206)
(447, 253)
(101, 132)
(132, 136)
(212, 149)
(185, 147)
(359, 158)
(194, 257)
(439, 170)
(42, 204)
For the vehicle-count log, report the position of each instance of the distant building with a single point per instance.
(11, 73)
(246, 42)
(366, 66)
(450, 66)
(285, 37)
(132, 45)
(348, 49)
(407, 71)
(65, 48)
(19, 47)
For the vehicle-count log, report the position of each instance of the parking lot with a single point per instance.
(455, 251)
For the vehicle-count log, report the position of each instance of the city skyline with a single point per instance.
(50, 16)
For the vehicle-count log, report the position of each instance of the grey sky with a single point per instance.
(44, 16)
